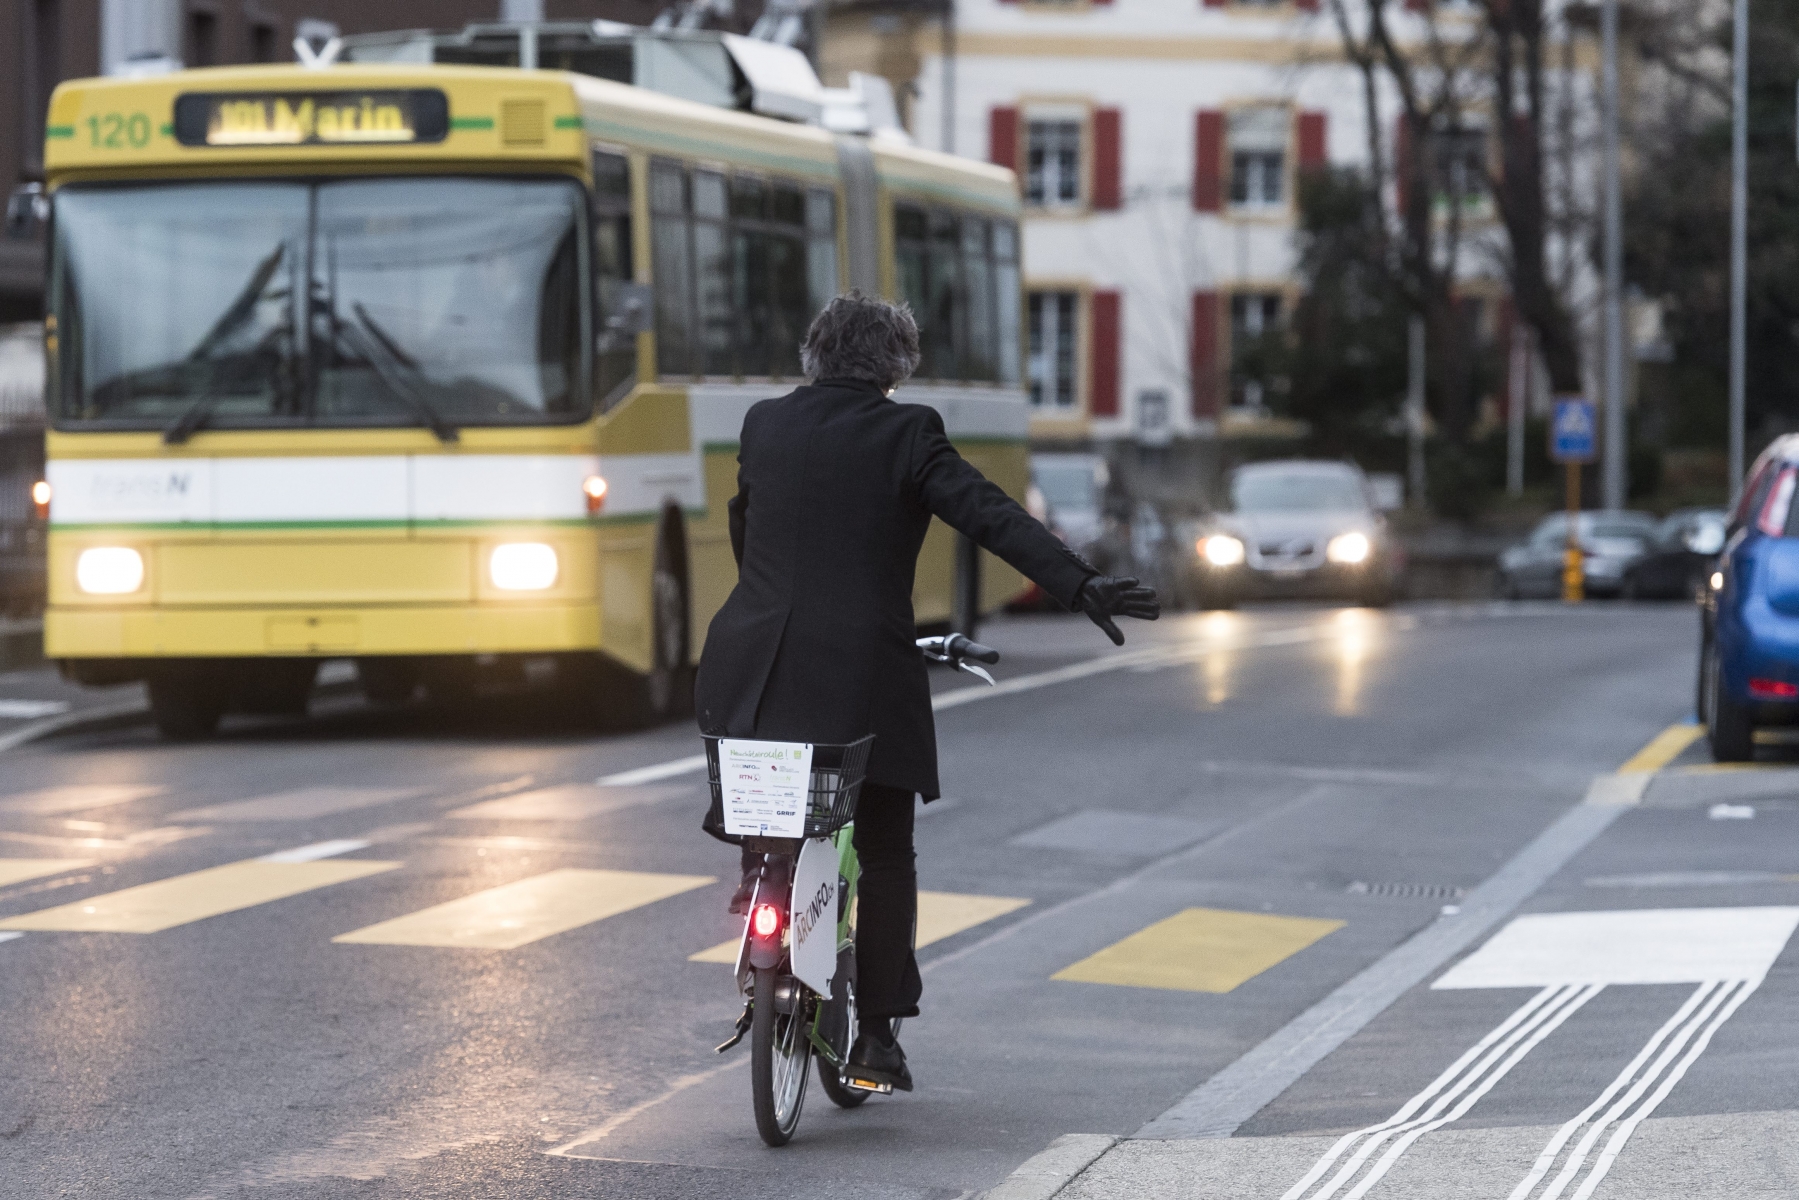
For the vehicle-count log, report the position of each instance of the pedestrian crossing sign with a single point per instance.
(1572, 430)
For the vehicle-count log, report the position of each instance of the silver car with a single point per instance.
(1611, 542)
(1295, 528)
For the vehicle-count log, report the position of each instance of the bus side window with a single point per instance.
(615, 358)
(671, 268)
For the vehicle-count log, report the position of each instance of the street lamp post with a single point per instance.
(1615, 441)
(1739, 242)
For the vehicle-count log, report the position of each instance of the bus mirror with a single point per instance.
(26, 210)
(631, 311)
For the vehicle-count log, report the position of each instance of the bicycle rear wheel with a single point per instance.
(837, 1025)
(780, 1054)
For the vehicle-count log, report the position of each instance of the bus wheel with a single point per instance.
(186, 700)
(387, 682)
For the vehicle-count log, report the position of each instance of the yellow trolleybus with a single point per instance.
(436, 368)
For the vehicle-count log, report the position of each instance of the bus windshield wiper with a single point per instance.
(397, 371)
(189, 422)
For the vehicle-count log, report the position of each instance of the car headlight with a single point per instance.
(1221, 550)
(109, 571)
(522, 566)
(1351, 547)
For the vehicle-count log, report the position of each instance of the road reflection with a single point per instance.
(1352, 639)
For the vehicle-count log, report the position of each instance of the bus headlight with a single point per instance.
(522, 567)
(1349, 547)
(1221, 550)
(109, 571)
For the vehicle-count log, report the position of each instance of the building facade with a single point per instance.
(1160, 145)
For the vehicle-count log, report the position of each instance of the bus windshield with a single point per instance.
(437, 301)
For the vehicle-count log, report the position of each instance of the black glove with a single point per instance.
(1103, 597)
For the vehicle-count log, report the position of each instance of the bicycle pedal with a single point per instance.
(861, 1084)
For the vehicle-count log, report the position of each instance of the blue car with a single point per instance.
(1749, 611)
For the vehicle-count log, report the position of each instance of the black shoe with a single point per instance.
(886, 1064)
(740, 899)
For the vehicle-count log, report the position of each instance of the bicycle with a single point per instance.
(800, 981)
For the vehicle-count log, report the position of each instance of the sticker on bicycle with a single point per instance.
(765, 786)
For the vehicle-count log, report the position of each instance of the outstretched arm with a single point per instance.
(968, 502)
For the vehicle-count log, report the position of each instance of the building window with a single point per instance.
(1053, 350)
(1254, 315)
(1053, 163)
(1461, 166)
(1258, 141)
(202, 39)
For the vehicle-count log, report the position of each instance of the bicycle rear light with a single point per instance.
(765, 921)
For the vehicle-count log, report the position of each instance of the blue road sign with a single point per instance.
(1571, 430)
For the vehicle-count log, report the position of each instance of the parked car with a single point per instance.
(1071, 489)
(1293, 527)
(1686, 546)
(1611, 540)
(1749, 612)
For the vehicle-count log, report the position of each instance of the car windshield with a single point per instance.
(362, 301)
(1066, 487)
(1297, 491)
(1619, 525)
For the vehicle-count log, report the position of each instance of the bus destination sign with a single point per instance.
(385, 117)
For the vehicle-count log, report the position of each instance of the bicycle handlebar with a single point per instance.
(956, 649)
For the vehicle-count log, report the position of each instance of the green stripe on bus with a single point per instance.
(167, 131)
(471, 122)
(59, 131)
(280, 526)
(567, 123)
(701, 147)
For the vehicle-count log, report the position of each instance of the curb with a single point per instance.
(1045, 1174)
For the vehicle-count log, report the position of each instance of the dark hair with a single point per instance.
(863, 339)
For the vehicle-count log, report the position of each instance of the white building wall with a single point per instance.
(1161, 62)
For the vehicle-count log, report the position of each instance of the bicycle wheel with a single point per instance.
(779, 1055)
(837, 1024)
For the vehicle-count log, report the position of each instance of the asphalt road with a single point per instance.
(1293, 791)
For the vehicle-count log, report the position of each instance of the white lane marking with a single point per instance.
(80, 716)
(667, 770)
(27, 710)
(1156, 657)
(1505, 1047)
(1616, 1146)
(1399, 1148)
(9, 936)
(1646, 945)
(1731, 812)
(1553, 1148)
(1411, 1106)
(316, 851)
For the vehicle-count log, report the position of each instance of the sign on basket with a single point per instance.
(765, 786)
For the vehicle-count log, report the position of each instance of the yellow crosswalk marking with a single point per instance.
(1200, 950)
(153, 907)
(18, 870)
(1663, 748)
(516, 914)
(940, 915)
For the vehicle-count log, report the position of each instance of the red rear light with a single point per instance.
(765, 920)
(1773, 689)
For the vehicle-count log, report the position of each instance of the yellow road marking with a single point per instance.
(940, 915)
(76, 797)
(1200, 950)
(1663, 748)
(515, 914)
(153, 907)
(18, 870)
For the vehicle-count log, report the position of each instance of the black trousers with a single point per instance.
(887, 980)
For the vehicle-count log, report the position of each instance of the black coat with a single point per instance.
(836, 488)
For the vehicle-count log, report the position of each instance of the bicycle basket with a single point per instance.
(837, 773)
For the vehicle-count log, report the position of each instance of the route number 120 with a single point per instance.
(113, 131)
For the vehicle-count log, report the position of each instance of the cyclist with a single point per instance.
(836, 488)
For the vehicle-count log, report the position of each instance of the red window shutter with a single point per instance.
(1108, 154)
(1205, 355)
(1002, 137)
(1102, 393)
(1208, 162)
(1417, 6)
(1306, 5)
(1312, 126)
(1402, 162)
